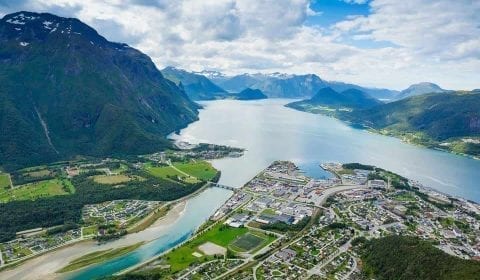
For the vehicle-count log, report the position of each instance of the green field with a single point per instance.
(37, 190)
(91, 230)
(4, 181)
(202, 170)
(163, 171)
(247, 242)
(111, 179)
(180, 258)
(99, 256)
(38, 173)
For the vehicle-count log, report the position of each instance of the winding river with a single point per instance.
(269, 131)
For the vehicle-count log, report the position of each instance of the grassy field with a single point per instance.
(91, 230)
(202, 170)
(38, 173)
(37, 190)
(163, 171)
(180, 258)
(111, 179)
(97, 257)
(247, 242)
(198, 170)
(4, 181)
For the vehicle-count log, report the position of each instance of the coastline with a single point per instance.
(45, 266)
(388, 133)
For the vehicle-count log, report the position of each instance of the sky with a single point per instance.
(378, 43)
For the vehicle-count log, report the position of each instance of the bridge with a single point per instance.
(213, 185)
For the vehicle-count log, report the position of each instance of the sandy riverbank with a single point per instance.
(44, 266)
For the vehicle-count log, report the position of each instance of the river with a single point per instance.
(269, 131)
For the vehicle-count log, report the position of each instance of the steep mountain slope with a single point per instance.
(250, 94)
(197, 86)
(419, 89)
(66, 90)
(327, 97)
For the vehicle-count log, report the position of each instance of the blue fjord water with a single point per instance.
(269, 131)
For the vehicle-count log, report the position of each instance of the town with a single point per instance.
(109, 219)
(285, 225)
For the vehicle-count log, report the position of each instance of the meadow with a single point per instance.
(36, 190)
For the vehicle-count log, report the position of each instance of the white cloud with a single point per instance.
(355, 1)
(434, 41)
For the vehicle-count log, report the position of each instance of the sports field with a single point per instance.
(247, 242)
(180, 258)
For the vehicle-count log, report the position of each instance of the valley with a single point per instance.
(257, 140)
(168, 176)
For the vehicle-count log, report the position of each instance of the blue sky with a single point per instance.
(379, 43)
(333, 11)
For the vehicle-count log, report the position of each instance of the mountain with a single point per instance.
(197, 86)
(377, 93)
(290, 86)
(250, 94)
(327, 97)
(273, 85)
(419, 89)
(444, 120)
(68, 91)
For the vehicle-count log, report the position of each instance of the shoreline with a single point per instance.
(44, 266)
(389, 134)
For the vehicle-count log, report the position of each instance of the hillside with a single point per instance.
(66, 90)
(445, 120)
(250, 94)
(401, 257)
(419, 89)
(328, 99)
(197, 86)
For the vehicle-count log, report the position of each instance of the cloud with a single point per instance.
(436, 41)
(359, 2)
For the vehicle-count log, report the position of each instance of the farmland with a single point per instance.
(36, 190)
(202, 170)
(4, 181)
(111, 179)
(196, 171)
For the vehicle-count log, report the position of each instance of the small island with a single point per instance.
(250, 94)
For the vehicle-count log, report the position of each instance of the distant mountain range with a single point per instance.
(279, 85)
(66, 90)
(197, 87)
(419, 89)
(327, 97)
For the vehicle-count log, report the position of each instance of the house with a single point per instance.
(286, 254)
